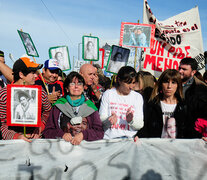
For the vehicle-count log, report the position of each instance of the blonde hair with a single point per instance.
(146, 79)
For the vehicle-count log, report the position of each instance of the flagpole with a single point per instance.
(42, 78)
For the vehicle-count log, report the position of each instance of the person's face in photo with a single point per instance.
(139, 31)
(171, 128)
(59, 56)
(90, 46)
(118, 57)
(50, 75)
(28, 42)
(23, 100)
(169, 88)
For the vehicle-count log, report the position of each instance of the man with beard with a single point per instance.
(195, 95)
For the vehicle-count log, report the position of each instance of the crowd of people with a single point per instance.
(86, 105)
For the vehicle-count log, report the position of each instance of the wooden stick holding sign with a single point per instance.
(31, 50)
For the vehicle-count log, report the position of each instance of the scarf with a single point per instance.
(85, 109)
(76, 102)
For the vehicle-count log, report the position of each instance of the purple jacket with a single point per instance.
(92, 133)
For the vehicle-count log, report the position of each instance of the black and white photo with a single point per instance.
(61, 54)
(90, 48)
(117, 59)
(28, 44)
(24, 105)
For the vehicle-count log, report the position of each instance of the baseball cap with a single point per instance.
(24, 63)
(1, 53)
(51, 64)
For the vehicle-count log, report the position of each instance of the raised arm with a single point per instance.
(6, 71)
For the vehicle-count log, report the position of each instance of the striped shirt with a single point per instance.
(9, 133)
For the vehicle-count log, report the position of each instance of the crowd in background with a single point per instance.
(87, 105)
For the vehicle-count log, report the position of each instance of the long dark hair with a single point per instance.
(169, 74)
(125, 74)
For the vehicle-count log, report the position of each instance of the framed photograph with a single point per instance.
(90, 48)
(118, 57)
(28, 44)
(100, 62)
(61, 54)
(24, 105)
(137, 35)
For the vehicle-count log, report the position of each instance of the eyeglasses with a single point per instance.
(78, 84)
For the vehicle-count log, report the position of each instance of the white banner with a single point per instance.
(175, 38)
(160, 159)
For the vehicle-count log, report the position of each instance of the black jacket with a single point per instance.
(196, 102)
(153, 120)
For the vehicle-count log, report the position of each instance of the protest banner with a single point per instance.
(175, 38)
(149, 158)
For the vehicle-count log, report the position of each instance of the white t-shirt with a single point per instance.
(169, 123)
(113, 102)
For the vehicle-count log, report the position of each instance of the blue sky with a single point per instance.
(63, 22)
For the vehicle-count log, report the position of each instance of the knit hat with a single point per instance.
(1, 53)
(51, 64)
(24, 63)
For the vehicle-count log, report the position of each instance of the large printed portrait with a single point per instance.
(28, 44)
(61, 54)
(90, 49)
(23, 105)
(136, 35)
(118, 57)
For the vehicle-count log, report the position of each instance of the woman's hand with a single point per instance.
(36, 134)
(67, 137)
(24, 138)
(129, 115)
(77, 139)
(204, 138)
(136, 138)
(113, 118)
